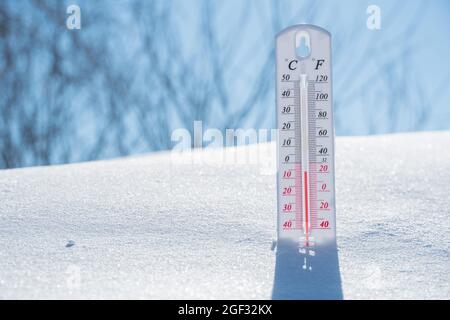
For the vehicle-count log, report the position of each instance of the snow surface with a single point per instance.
(144, 227)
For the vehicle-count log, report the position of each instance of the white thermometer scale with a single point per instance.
(305, 179)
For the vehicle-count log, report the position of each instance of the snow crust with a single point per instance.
(144, 227)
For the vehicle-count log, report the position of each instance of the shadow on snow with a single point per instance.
(295, 280)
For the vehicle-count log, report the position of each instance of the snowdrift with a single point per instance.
(146, 227)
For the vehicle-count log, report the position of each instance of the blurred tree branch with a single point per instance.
(130, 76)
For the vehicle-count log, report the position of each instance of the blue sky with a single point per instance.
(394, 79)
(388, 80)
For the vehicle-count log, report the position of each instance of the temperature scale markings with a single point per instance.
(306, 144)
(298, 166)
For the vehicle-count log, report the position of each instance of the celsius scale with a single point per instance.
(305, 178)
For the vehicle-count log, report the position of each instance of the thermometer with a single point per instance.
(305, 178)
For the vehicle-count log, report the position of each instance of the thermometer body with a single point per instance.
(305, 177)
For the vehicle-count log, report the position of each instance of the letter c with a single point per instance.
(291, 67)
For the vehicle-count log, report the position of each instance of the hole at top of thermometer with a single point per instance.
(305, 154)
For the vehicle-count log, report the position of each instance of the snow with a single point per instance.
(145, 227)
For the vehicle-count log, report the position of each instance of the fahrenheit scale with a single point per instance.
(306, 191)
